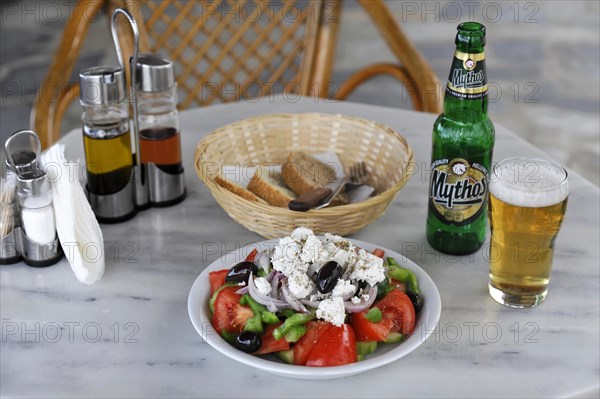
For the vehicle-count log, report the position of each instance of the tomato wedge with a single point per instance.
(252, 255)
(366, 330)
(380, 253)
(217, 279)
(336, 347)
(397, 307)
(305, 345)
(398, 284)
(229, 315)
(270, 344)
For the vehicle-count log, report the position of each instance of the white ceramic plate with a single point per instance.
(386, 353)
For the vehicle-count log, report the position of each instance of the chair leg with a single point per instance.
(371, 71)
(415, 66)
(51, 101)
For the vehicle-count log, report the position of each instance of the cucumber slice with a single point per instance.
(394, 338)
(286, 356)
(365, 347)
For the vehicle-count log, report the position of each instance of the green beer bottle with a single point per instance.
(461, 156)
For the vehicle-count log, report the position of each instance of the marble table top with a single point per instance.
(129, 335)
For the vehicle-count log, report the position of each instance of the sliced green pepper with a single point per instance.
(295, 333)
(258, 309)
(254, 324)
(403, 275)
(228, 336)
(287, 312)
(294, 320)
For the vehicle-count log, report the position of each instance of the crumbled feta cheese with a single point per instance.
(368, 268)
(241, 283)
(343, 288)
(286, 257)
(313, 251)
(332, 310)
(263, 286)
(332, 238)
(301, 234)
(300, 285)
(293, 255)
(345, 258)
(317, 296)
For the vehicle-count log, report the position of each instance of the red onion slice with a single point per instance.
(271, 275)
(275, 286)
(312, 304)
(291, 299)
(262, 261)
(352, 307)
(348, 296)
(242, 290)
(271, 303)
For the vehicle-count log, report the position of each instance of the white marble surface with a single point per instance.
(480, 348)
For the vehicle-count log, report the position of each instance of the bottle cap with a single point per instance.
(154, 72)
(102, 85)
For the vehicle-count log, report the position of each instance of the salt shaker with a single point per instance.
(107, 144)
(37, 240)
(159, 136)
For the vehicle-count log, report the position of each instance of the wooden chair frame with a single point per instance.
(314, 75)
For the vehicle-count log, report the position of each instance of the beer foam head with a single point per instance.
(530, 183)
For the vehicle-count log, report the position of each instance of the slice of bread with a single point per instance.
(268, 184)
(303, 173)
(237, 190)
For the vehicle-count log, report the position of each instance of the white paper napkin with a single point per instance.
(78, 230)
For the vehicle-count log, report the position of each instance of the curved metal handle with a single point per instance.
(136, 48)
(141, 184)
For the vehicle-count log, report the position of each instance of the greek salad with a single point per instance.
(314, 301)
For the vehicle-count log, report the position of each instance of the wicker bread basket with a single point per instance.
(272, 137)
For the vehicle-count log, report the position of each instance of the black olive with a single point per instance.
(361, 285)
(241, 272)
(416, 300)
(248, 342)
(328, 276)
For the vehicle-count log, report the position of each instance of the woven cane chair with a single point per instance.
(228, 50)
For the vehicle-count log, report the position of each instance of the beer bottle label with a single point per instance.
(458, 191)
(467, 79)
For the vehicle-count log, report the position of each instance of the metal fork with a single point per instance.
(356, 177)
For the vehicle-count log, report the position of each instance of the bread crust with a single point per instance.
(267, 191)
(237, 190)
(303, 173)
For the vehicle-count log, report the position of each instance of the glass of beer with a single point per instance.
(528, 199)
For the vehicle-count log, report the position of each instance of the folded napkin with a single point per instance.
(76, 225)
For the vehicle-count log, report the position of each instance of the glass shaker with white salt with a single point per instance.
(37, 240)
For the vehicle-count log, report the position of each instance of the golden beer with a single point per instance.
(528, 199)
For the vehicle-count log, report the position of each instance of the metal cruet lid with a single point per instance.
(23, 150)
(154, 72)
(102, 85)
